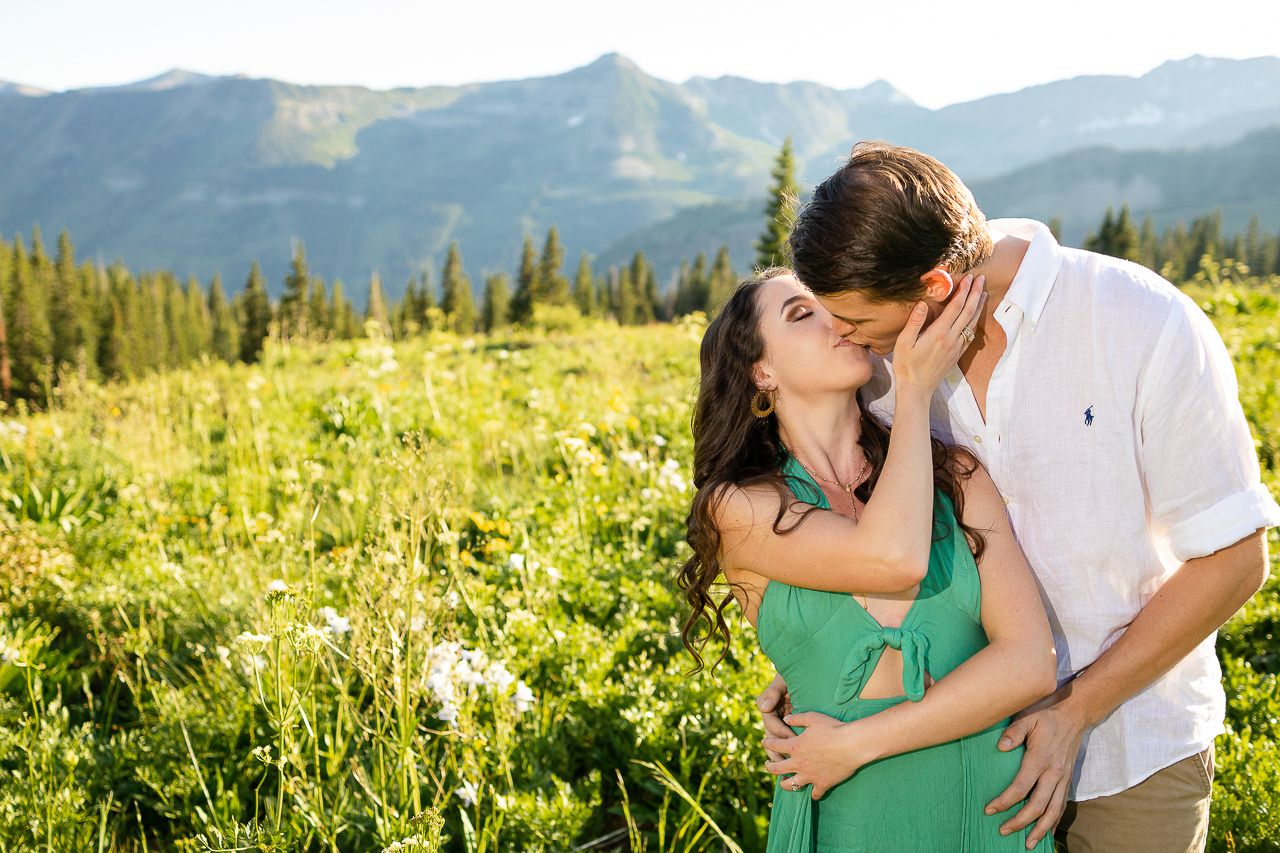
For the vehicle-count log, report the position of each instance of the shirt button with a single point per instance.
(1006, 501)
(978, 439)
(952, 379)
(1032, 324)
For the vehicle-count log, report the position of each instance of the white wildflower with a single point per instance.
(500, 678)
(337, 624)
(516, 561)
(277, 585)
(252, 642)
(468, 793)
(449, 714)
(659, 441)
(523, 698)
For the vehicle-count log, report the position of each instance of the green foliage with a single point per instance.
(456, 299)
(496, 312)
(721, 282)
(1116, 236)
(779, 210)
(299, 604)
(255, 315)
(584, 291)
(519, 500)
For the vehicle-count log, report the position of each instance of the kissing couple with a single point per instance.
(986, 501)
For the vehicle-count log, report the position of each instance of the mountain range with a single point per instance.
(199, 173)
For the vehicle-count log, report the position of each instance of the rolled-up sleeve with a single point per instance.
(1198, 458)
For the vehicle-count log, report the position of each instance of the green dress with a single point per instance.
(826, 645)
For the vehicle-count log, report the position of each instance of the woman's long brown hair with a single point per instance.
(733, 448)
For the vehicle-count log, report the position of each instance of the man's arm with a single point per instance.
(1202, 594)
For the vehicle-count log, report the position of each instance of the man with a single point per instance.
(1105, 407)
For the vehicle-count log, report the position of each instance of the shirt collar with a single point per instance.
(1038, 270)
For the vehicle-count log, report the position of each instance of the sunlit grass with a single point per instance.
(414, 597)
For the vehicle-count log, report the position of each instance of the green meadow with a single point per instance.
(417, 596)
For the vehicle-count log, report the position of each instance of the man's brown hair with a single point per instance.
(884, 219)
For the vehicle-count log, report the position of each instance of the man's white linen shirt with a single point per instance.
(1114, 432)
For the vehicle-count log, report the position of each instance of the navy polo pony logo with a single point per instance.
(1088, 416)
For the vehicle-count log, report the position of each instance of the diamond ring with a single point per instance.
(968, 334)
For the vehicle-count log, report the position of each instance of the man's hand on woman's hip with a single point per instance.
(1051, 734)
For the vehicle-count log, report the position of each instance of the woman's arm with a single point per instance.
(886, 551)
(1017, 668)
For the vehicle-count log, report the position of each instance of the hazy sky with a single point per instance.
(936, 52)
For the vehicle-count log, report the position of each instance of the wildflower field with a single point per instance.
(416, 596)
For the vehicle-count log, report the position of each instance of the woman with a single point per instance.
(871, 563)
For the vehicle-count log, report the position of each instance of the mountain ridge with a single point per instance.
(198, 173)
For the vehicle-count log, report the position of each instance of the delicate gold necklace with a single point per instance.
(866, 463)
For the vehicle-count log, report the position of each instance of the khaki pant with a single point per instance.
(1166, 813)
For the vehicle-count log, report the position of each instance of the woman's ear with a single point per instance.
(938, 284)
(762, 378)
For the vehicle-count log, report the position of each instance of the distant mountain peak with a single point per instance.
(882, 92)
(612, 61)
(176, 78)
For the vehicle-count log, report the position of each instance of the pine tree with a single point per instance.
(64, 309)
(199, 322)
(318, 319)
(651, 298)
(691, 294)
(553, 287)
(526, 283)
(779, 210)
(610, 294)
(1055, 228)
(117, 345)
(584, 292)
(91, 286)
(627, 301)
(1255, 247)
(27, 322)
(1149, 245)
(224, 333)
(344, 314)
(256, 316)
(721, 282)
(402, 323)
(376, 306)
(456, 299)
(640, 270)
(297, 292)
(1205, 238)
(1116, 236)
(601, 297)
(497, 302)
(426, 301)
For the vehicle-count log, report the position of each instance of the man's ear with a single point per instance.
(938, 284)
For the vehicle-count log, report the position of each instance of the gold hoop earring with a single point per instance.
(759, 410)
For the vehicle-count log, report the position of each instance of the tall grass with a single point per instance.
(415, 597)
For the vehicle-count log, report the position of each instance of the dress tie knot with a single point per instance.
(865, 654)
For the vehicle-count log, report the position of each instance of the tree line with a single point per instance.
(60, 316)
(1178, 253)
